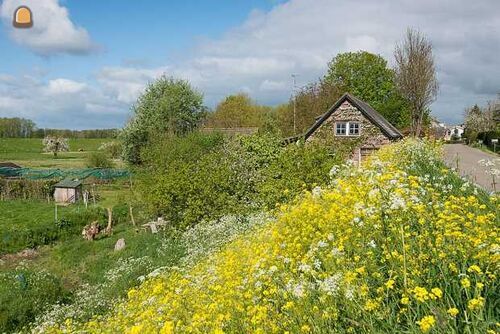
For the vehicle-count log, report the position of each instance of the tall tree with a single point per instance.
(167, 106)
(367, 76)
(237, 111)
(416, 76)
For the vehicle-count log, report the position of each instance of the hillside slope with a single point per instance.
(400, 245)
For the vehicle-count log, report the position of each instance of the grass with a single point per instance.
(28, 152)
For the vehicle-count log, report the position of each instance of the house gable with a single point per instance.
(350, 108)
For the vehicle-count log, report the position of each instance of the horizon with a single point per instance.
(82, 65)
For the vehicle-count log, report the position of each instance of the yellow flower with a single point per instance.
(453, 311)
(475, 303)
(426, 323)
(474, 269)
(479, 285)
(389, 284)
(168, 328)
(405, 300)
(305, 329)
(465, 283)
(437, 292)
(421, 294)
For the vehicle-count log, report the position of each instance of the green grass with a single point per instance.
(28, 152)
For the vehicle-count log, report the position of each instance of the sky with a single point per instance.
(84, 63)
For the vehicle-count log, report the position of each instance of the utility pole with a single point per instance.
(294, 76)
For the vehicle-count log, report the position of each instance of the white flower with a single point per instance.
(305, 268)
(298, 291)
(322, 244)
(330, 285)
(372, 244)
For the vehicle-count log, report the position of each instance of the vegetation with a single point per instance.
(55, 145)
(207, 176)
(390, 247)
(99, 160)
(367, 76)
(168, 106)
(416, 76)
(28, 152)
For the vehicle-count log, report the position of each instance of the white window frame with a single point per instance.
(347, 129)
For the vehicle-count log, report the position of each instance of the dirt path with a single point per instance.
(467, 159)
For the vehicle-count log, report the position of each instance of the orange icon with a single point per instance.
(23, 17)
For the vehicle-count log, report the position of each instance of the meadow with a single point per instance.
(28, 152)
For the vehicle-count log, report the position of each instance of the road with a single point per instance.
(467, 159)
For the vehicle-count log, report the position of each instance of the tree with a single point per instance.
(238, 111)
(479, 120)
(55, 144)
(312, 101)
(416, 76)
(167, 107)
(367, 76)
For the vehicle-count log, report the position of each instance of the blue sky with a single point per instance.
(84, 63)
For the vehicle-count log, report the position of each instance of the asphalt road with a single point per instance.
(467, 159)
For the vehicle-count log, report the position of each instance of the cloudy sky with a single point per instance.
(84, 63)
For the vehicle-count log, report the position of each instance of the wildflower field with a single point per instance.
(399, 245)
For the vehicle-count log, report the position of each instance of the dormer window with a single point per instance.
(347, 128)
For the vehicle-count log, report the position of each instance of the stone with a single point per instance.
(120, 244)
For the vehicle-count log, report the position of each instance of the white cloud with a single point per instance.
(64, 86)
(53, 32)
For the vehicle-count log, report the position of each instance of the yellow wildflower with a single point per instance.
(453, 311)
(426, 323)
(475, 303)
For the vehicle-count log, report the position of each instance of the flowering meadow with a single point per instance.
(398, 245)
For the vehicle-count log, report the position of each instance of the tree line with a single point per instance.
(16, 127)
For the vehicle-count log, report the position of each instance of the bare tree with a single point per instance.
(416, 76)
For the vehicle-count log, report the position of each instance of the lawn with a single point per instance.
(28, 152)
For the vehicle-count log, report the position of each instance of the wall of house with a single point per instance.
(63, 195)
(370, 139)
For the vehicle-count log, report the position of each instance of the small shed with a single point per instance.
(68, 191)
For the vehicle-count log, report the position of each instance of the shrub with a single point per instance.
(112, 148)
(99, 160)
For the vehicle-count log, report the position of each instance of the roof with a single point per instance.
(68, 183)
(9, 164)
(371, 114)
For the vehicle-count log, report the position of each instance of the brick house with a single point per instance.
(355, 120)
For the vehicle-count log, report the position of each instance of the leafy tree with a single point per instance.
(238, 111)
(55, 145)
(168, 106)
(416, 76)
(312, 101)
(367, 76)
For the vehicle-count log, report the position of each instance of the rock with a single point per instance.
(120, 244)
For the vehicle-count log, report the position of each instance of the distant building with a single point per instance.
(68, 191)
(454, 132)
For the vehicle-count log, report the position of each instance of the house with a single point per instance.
(68, 191)
(454, 132)
(352, 119)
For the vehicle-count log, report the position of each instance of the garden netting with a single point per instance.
(37, 174)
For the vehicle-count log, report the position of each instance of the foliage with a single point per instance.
(99, 160)
(297, 168)
(478, 120)
(416, 76)
(55, 145)
(16, 127)
(112, 148)
(367, 76)
(385, 249)
(311, 101)
(19, 288)
(26, 189)
(237, 111)
(167, 106)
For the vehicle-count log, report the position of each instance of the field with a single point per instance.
(28, 152)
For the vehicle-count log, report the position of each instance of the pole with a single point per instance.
(294, 76)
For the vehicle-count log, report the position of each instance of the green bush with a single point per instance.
(112, 148)
(23, 294)
(99, 160)
(203, 177)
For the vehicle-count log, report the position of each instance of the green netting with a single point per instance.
(36, 174)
